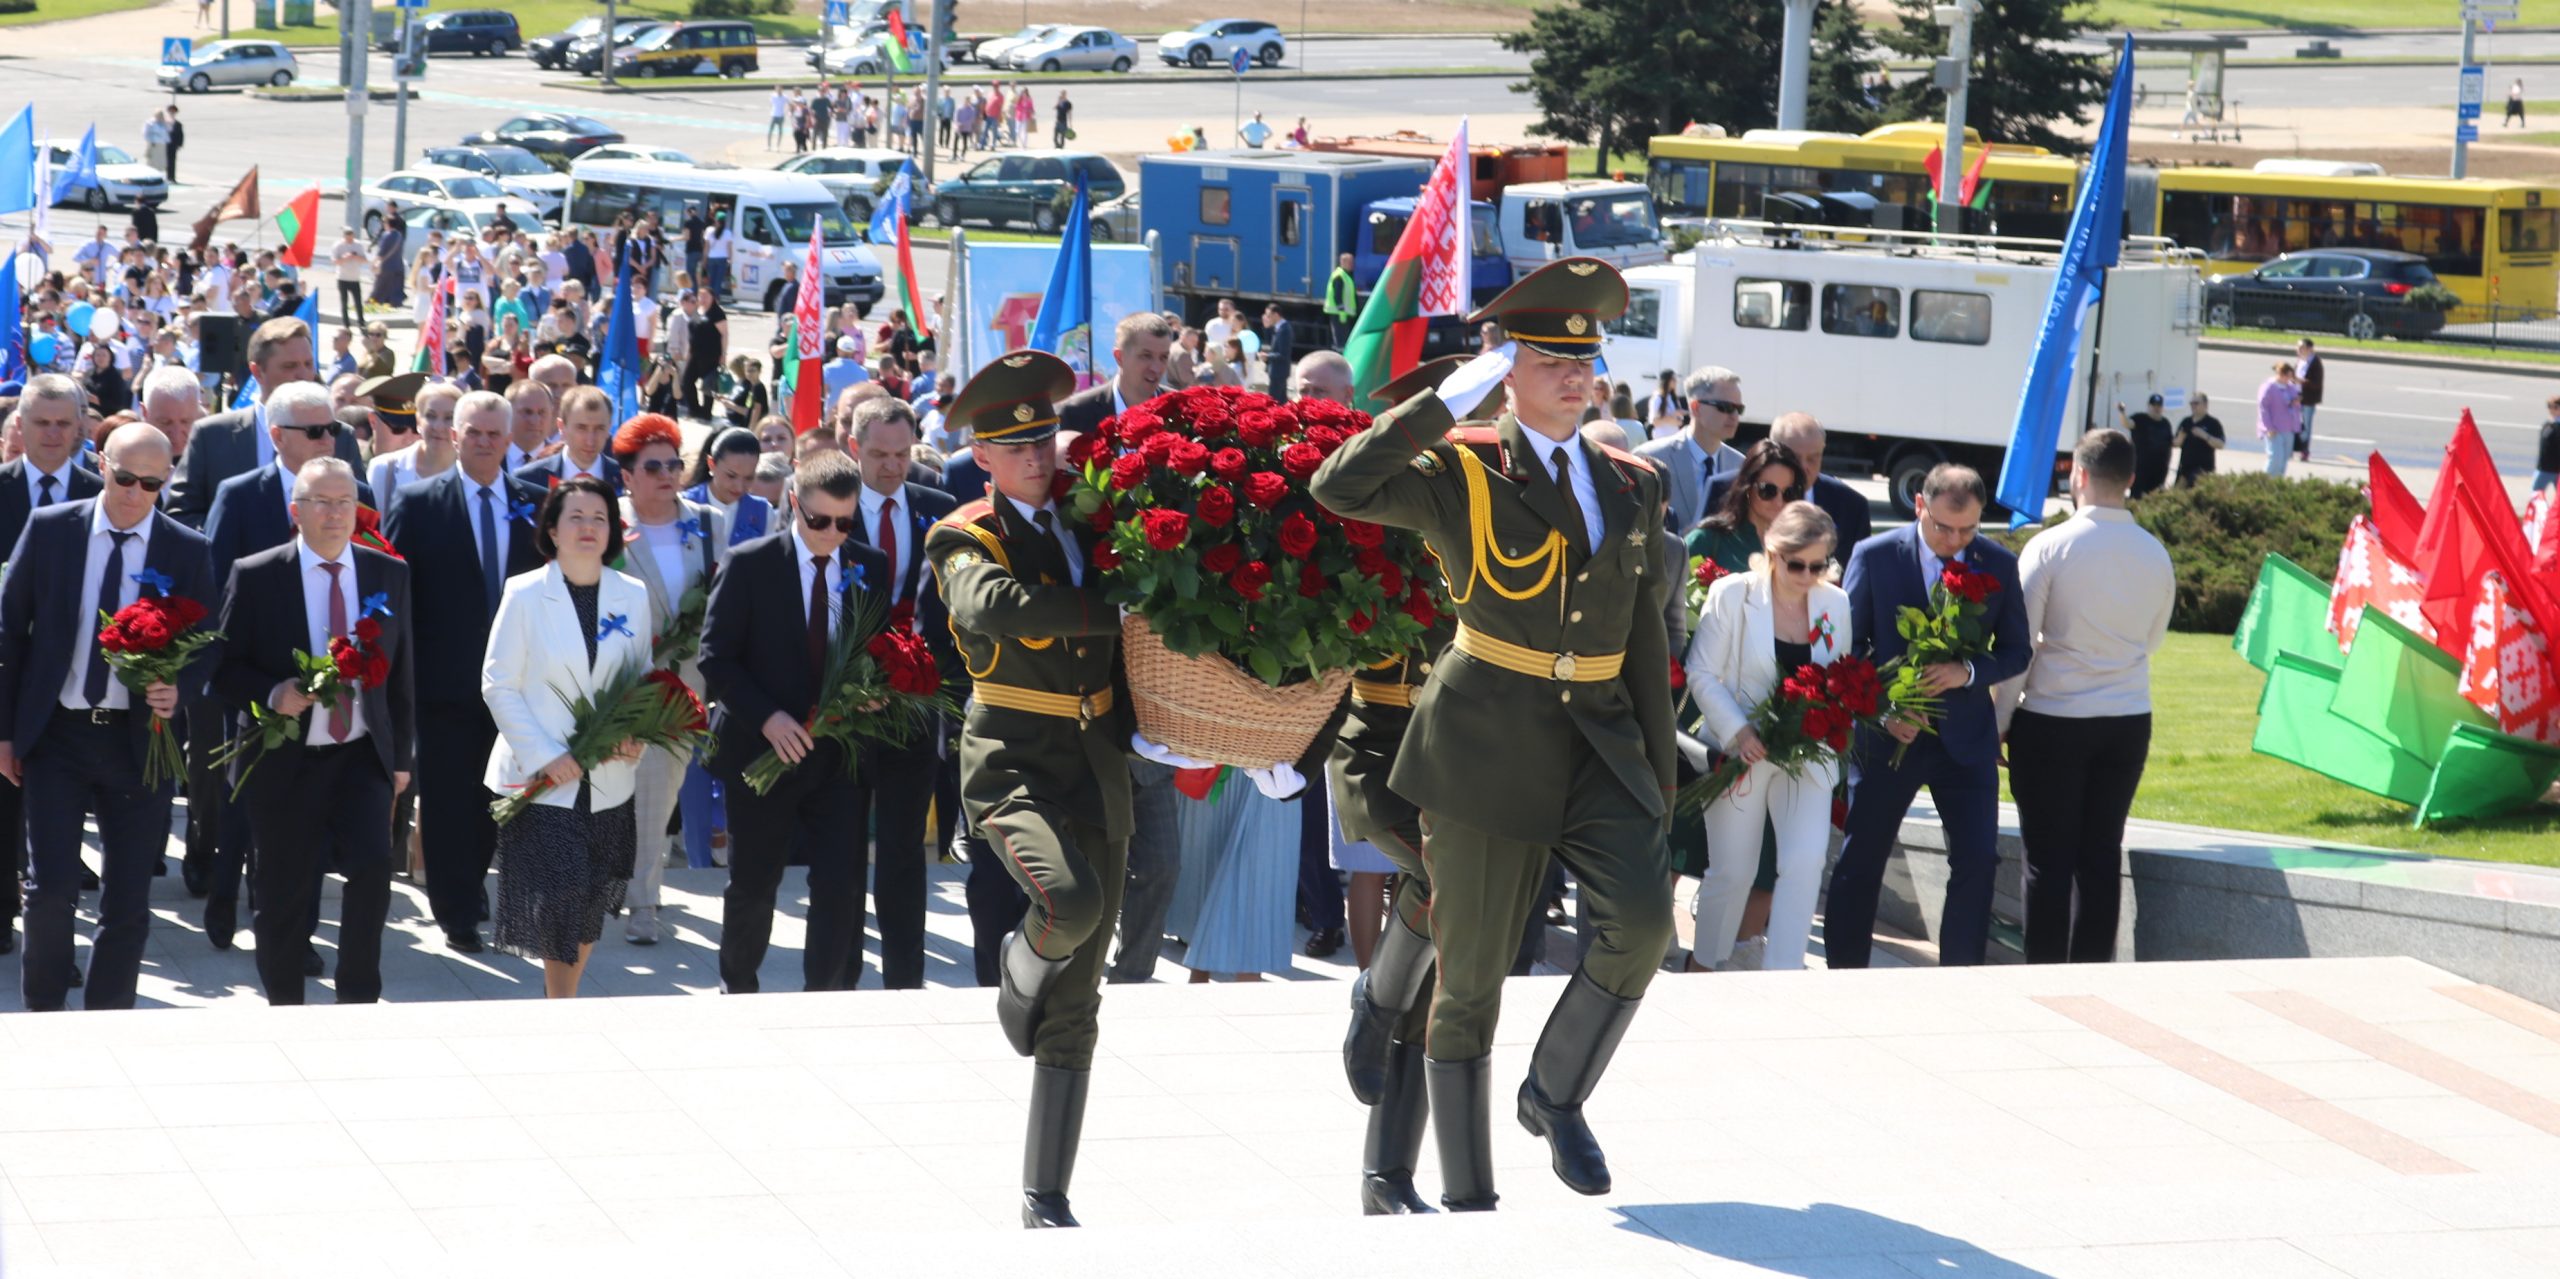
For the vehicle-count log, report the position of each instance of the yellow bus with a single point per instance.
(2492, 242)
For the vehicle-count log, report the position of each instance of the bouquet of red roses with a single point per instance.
(1210, 535)
(369, 532)
(1811, 718)
(354, 662)
(148, 642)
(637, 704)
(884, 688)
(1703, 573)
(1952, 629)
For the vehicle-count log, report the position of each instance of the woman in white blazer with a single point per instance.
(560, 633)
(669, 544)
(1757, 627)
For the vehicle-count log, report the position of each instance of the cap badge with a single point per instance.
(1576, 325)
(1022, 413)
(1016, 361)
(1582, 268)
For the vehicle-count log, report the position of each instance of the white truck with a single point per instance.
(1587, 217)
(1910, 348)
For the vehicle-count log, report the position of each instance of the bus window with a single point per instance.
(1772, 304)
(1961, 318)
(1680, 186)
(1643, 316)
(2529, 230)
(1861, 310)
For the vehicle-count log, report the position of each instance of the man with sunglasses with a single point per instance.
(1692, 459)
(238, 442)
(1957, 755)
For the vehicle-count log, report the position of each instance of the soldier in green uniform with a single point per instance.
(1545, 728)
(1042, 768)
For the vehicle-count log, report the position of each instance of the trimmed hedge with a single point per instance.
(2219, 531)
(17, 6)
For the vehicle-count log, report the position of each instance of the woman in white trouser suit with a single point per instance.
(1758, 627)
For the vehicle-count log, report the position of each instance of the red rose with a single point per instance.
(1216, 505)
(1084, 448)
(1421, 607)
(1709, 571)
(882, 648)
(1300, 460)
(1265, 489)
(112, 639)
(902, 616)
(1213, 421)
(1128, 471)
(1361, 621)
(1392, 581)
(1137, 426)
(349, 662)
(1228, 464)
(1061, 483)
(181, 612)
(368, 631)
(1165, 529)
(1189, 457)
(1297, 536)
(1325, 438)
(1311, 581)
(1679, 676)
(1106, 556)
(1249, 580)
(1159, 448)
(1258, 428)
(1372, 563)
(1100, 521)
(377, 668)
(147, 632)
(1364, 534)
(1222, 559)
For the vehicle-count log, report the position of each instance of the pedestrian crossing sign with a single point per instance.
(176, 51)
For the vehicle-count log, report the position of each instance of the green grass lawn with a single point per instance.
(2300, 15)
(2395, 346)
(1578, 163)
(2202, 773)
(57, 10)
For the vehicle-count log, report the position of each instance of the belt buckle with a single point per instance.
(1564, 666)
(1086, 711)
(101, 715)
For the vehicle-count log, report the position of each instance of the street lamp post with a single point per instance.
(1952, 74)
(355, 41)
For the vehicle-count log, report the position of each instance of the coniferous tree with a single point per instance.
(2023, 83)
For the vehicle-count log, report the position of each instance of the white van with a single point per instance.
(771, 213)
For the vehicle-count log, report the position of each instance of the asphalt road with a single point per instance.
(2407, 413)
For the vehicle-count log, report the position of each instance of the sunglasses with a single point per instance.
(1733, 407)
(1768, 492)
(844, 524)
(660, 466)
(149, 483)
(1807, 567)
(320, 432)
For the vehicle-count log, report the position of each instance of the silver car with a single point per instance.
(1075, 49)
(232, 64)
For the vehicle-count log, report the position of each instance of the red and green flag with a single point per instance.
(898, 41)
(299, 225)
(1427, 274)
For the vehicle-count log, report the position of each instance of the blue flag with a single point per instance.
(1066, 309)
(618, 371)
(250, 393)
(18, 162)
(892, 206)
(83, 173)
(13, 338)
(2096, 239)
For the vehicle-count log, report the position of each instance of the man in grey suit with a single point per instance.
(1695, 457)
(236, 442)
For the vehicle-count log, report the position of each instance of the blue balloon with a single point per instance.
(41, 351)
(1252, 342)
(77, 318)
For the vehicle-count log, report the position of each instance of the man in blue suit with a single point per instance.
(76, 734)
(49, 472)
(1959, 758)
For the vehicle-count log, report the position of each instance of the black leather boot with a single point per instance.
(1380, 998)
(1462, 1113)
(1023, 986)
(1049, 1147)
(1582, 1034)
(1395, 1137)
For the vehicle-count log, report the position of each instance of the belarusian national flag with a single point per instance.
(907, 293)
(808, 391)
(2368, 573)
(431, 331)
(1426, 275)
(2506, 667)
(898, 41)
(299, 225)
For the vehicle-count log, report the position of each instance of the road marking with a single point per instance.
(2328, 411)
(2438, 390)
(2327, 438)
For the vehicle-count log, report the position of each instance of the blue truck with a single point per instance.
(1265, 226)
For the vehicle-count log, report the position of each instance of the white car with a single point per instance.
(542, 188)
(436, 185)
(992, 52)
(1075, 49)
(856, 175)
(635, 151)
(869, 56)
(1215, 42)
(122, 180)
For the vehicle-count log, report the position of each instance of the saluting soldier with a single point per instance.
(1545, 728)
(1042, 768)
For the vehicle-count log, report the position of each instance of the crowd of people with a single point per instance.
(844, 114)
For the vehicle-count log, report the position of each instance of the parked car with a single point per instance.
(1214, 43)
(123, 182)
(476, 32)
(636, 151)
(723, 48)
(1117, 220)
(552, 51)
(855, 174)
(992, 52)
(557, 136)
(586, 53)
(517, 170)
(232, 64)
(1076, 49)
(434, 184)
(868, 54)
(2363, 293)
(1033, 187)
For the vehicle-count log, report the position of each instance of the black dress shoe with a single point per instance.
(221, 920)
(311, 965)
(468, 943)
(196, 876)
(1324, 943)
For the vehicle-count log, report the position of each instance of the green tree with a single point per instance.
(1844, 55)
(1614, 73)
(2023, 84)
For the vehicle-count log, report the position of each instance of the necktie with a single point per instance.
(818, 617)
(1047, 520)
(343, 715)
(110, 592)
(889, 536)
(44, 490)
(492, 579)
(1572, 504)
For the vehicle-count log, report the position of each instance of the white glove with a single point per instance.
(1466, 388)
(1151, 751)
(1280, 781)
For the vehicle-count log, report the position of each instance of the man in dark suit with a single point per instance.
(586, 424)
(48, 473)
(1279, 348)
(237, 442)
(1143, 344)
(326, 796)
(76, 735)
(1958, 757)
(776, 608)
(894, 784)
(464, 533)
(1845, 505)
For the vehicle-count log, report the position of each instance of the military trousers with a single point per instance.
(1073, 872)
(1402, 843)
(1483, 886)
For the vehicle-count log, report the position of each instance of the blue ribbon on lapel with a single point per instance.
(690, 527)
(377, 604)
(614, 624)
(159, 582)
(520, 511)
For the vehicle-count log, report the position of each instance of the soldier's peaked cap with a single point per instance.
(1014, 399)
(1559, 308)
(394, 397)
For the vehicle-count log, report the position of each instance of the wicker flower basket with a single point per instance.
(1208, 709)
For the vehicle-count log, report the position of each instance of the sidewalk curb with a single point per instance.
(2453, 362)
(1042, 80)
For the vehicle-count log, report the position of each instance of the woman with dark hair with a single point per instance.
(1770, 477)
(100, 380)
(673, 546)
(562, 632)
(719, 480)
(391, 260)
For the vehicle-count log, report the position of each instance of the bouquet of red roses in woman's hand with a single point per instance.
(1954, 628)
(1809, 719)
(885, 689)
(638, 707)
(148, 642)
(353, 662)
(1703, 573)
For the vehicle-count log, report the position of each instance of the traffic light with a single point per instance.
(946, 18)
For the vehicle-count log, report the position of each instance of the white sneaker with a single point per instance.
(642, 929)
(1747, 955)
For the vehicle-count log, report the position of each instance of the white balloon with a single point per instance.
(104, 324)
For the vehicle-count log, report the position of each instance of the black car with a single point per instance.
(472, 31)
(556, 136)
(551, 52)
(586, 53)
(2363, 293)
(1030, 187)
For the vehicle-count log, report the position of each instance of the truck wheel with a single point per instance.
(1906, 472)
(1199, 56)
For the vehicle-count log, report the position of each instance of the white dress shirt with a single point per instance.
(1930, 568)
(84, 633)
(1057, 528)
(315, 616)
(1585, 492)
(808, 575)
(290, 520)
(2099, 590)
(872, 503)
(500, 503)
(36, 498)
